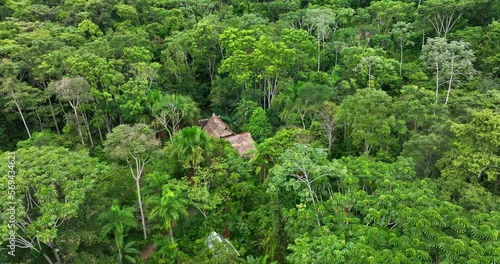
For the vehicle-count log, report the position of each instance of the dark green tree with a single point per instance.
(258, 125)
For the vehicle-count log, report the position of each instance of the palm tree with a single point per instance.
(118, 221)
(191, 146)
(129, 250)
(155, 182)
(170, 206)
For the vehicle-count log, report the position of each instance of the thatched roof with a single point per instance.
(242, 142)
(216, 127)
(202, 122)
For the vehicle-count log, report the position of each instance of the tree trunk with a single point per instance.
(319, 50)
(330, 142)
(401, 60)
(78, 125)
(437, 81)
(139, 200)
(120, 255)
(54, 116)
(302, 119)
(369, 76)
(171, 233)
(449, 89)
(48, 259)
(55, 250)
(39, 120)
(423, 37)
(62, 108)
(100, 134)
(20, 113)
(108, 126)
(367, 149)
(86, 122)
(450, 81)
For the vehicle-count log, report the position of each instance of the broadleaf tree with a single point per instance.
(136, 146)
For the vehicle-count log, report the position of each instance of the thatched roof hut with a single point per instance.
(242, 142)
(215, 127)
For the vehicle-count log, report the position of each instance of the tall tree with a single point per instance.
(449, 60)
(206, 47)
(402, 33)
(323, 21)
(303, 169)
(51, 185)
(443, 14)
(75, 90)
(190, 147)
(118, 221)
(371, 67)
(135, 145)
(174, 111)
(22, 97)
(385, 12)
(169, 205)
(370, 117)
(304, 100)
(328, 117)
(257, 62)
(178, 64)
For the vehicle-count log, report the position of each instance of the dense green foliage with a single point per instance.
(377, 130)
